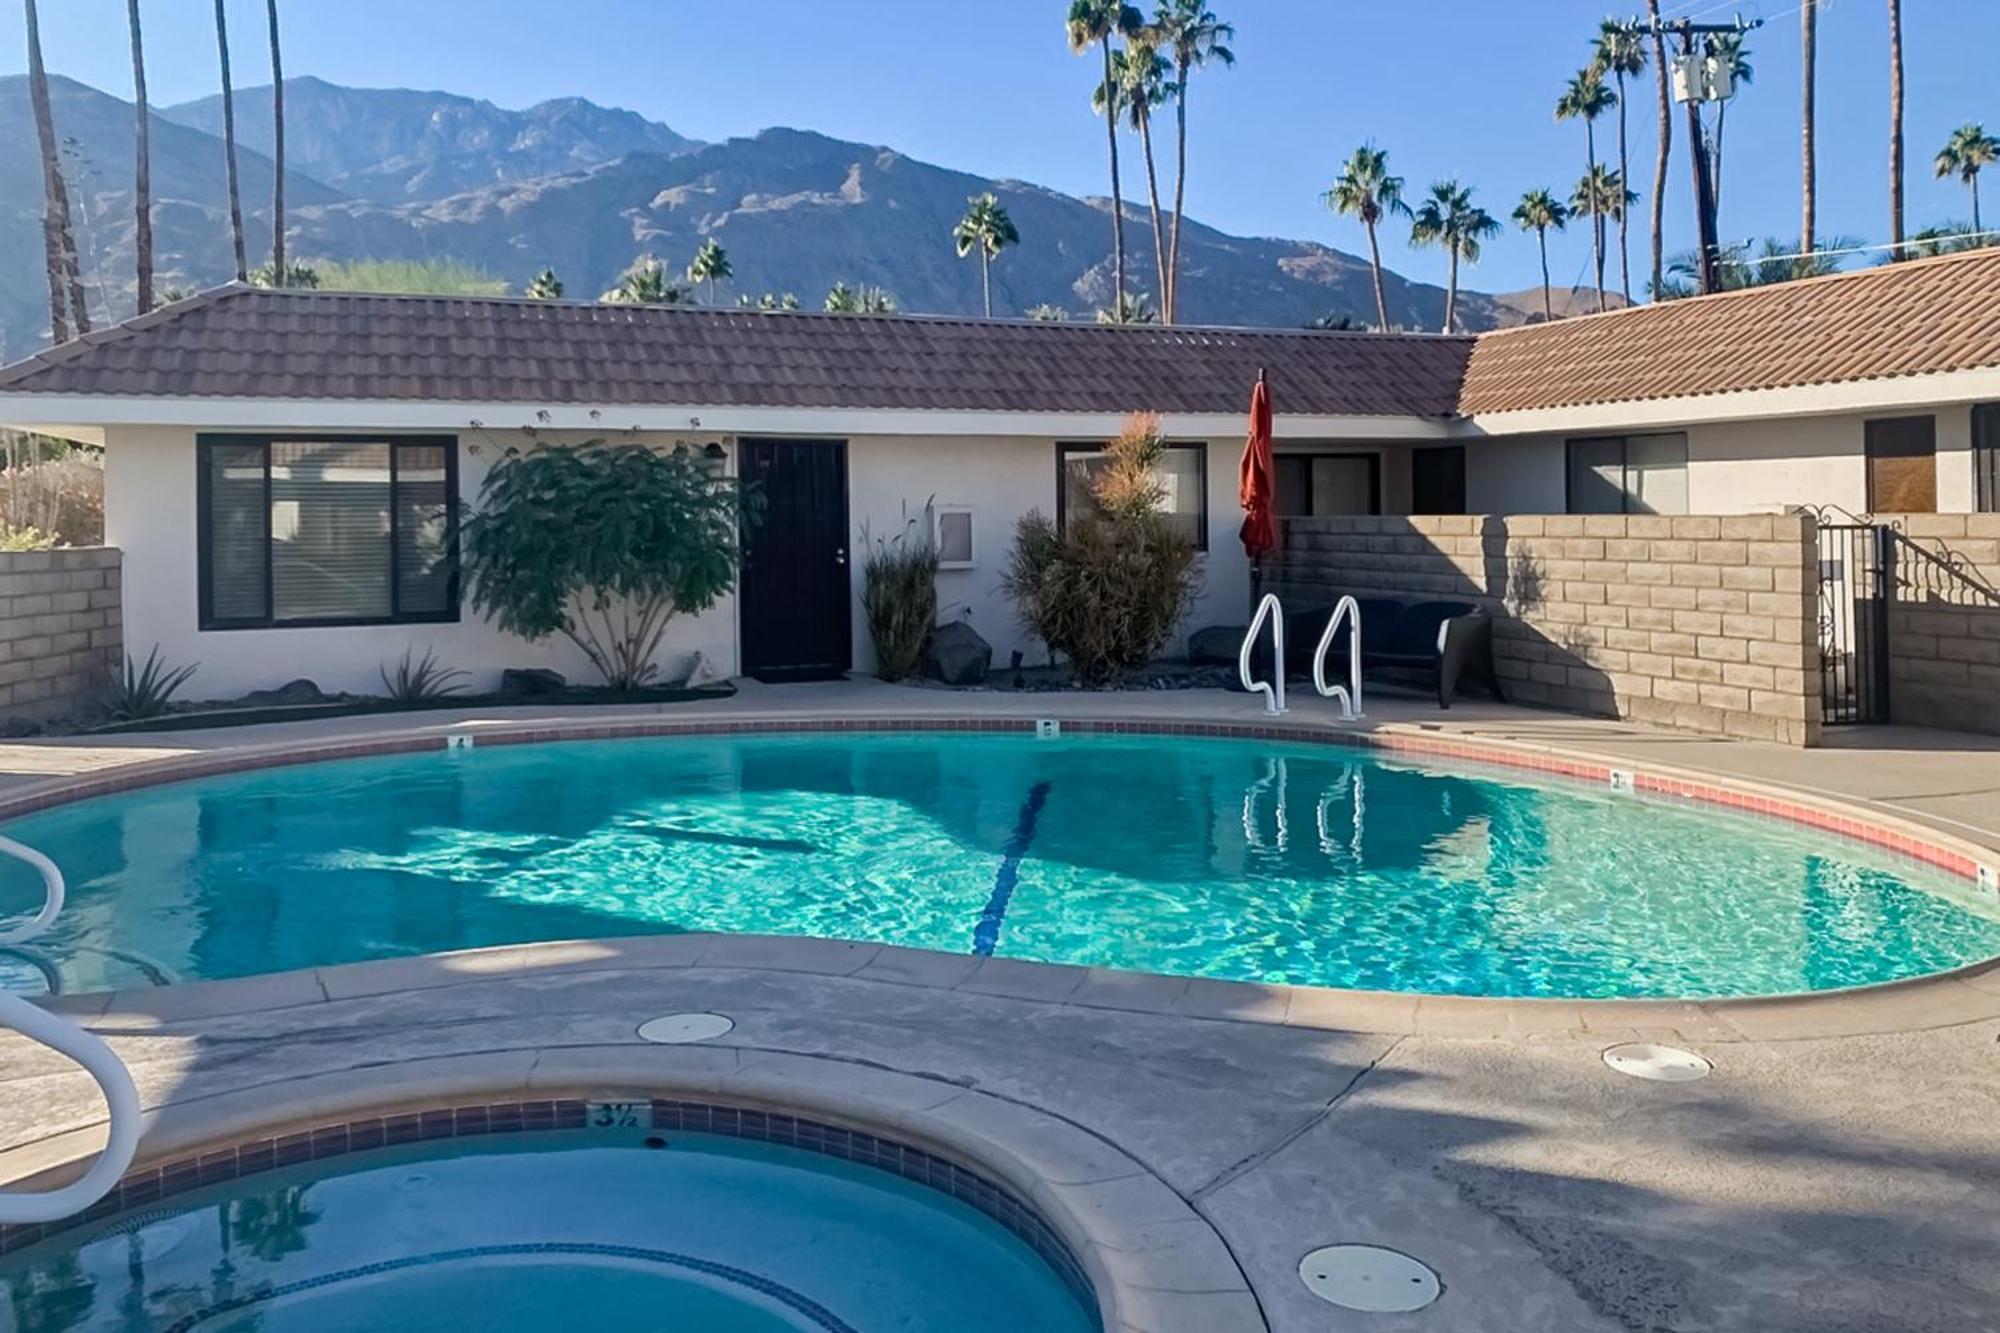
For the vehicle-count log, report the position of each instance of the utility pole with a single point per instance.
(1700, 77)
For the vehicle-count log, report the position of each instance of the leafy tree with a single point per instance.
(1047, 313)
(646, 283)
(1194, 36)
(1739, 265)
(1947, 238)
(1969, 149)
(1132, 308)
(1586, 98)
(1621, 51)
(546, 286)
(1540, 212)
(711, 265)
(845, 299)
(1140, 82)
(769, 301)
(987, 229)
(294, 274)
(1450, 220)
(1094, 23)
(1365, 189)
(603, 544)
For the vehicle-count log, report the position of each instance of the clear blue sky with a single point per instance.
(1447, 86)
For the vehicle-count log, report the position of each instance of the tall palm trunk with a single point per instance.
(1624, 244)
(1153, 195)
(1715, 167)
(67, 311)
(1896, 127)
(1117, 196)
(1381, 302)
(1596, 211)
(1666, 149)
(986, 280)
(278, 150)
(1808, 164)
(1451, 293)
(1171, 301)
(229, 142)
(1977, 228)
(1548, 304)
(142, 164)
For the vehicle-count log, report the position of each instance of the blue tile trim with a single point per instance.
(987, 933)
(799, 1303)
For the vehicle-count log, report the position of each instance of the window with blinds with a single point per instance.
(302, 531)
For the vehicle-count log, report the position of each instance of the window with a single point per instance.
(1437, 480)
(1321, 485)
(1902, 465)
(1628, 474)
(954, 537)
(1183, 476)
(1986, 457)
(302, 531)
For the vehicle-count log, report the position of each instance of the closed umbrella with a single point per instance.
(1257, 485)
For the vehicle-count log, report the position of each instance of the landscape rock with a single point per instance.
(300, 691)
(957, 655)
(703, 673)
(533, 681)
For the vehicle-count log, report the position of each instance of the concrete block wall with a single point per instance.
(60, 632)
(1703, 623)
(1944, 622)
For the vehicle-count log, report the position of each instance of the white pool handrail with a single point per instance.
(114, 1080)
(1273, 690)
(1348, 696)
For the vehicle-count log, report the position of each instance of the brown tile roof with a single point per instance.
(239, 342)
(1902, 319)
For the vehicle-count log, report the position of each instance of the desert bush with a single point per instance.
(145, 691)
(422, 679)
(25, 539)
(54, 488)
(899, 595)
(1107, 590)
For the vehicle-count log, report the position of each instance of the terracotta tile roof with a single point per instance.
(239, 342)
(1903, 319)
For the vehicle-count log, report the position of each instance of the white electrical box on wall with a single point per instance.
(954, 537)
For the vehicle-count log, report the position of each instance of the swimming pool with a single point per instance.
(1233, 858)
(566, 1229)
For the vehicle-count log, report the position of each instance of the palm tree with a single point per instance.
(293, 275)
(1449, 219)
(1045, 313)
(142, 163)
(1896, 128)
(1666, 108)
(1365, 189)
(229, 142)
(1601, 195)
(1092, 23)
(1195, 36)
(711, 264)
(646, 283)
(546, 286)
(1538, 211)
(1142, 84)
(1969, 148)
(277, 143)
(1808, 156)
(1586, 99)
(843, 299)
(987, 229)
(1729, 49)
(1620, 52)
(1132, 308)
(67, 310)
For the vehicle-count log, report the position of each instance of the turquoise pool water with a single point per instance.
(1222, 858)
(549, 1230)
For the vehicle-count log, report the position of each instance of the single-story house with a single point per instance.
(272, 457)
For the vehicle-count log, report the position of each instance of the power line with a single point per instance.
(1950, 238)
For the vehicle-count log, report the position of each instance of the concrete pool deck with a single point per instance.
(1814, 1182)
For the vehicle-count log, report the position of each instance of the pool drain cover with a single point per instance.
(1370, 1278)
(1662, 1064)
(677, 1029)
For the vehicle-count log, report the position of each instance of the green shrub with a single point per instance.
(1107, 590)
(145, 691)
(25, 539)
(899, 595)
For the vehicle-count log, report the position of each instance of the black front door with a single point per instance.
(797, 611)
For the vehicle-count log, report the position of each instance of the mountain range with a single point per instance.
(584, 189)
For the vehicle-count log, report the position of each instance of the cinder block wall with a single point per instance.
(1701, 623)
(1944, 623)
(59, 630)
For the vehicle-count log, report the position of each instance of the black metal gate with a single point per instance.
(1857, 574)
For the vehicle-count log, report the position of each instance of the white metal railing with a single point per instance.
(1273, 690)
(121, 1097)
(1348, 696)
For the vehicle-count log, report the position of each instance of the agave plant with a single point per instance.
(421, 680)
(145, 691)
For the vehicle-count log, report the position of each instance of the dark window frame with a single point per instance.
(1874, 448)
(1064, 448)
(1986, 458)
(1464, 479)
(1624, 440)
(206, 444)
(1373, 457)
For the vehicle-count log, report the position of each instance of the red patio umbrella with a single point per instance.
(1257, 484)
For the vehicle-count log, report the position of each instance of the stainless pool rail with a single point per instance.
(114, 1080)
(1273, 690)
(1348, 696)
